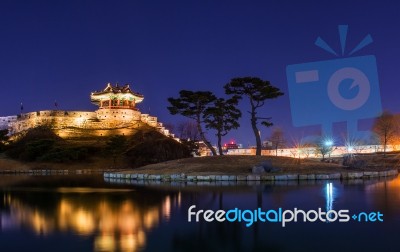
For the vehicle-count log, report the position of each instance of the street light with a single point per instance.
(328, 144)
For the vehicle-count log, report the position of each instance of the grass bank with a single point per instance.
(238, 165)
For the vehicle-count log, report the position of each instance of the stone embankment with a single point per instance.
(129, 175)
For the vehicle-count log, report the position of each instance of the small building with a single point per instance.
(116, 97)
(231, 145)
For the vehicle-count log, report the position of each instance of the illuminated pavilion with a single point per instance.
(116, 97)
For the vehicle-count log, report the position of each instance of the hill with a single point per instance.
(42, 147)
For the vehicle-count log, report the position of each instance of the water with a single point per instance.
(84, 213)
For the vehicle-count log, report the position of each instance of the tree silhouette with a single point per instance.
(257, 91)
(193, 105)
(277, 139)
(187, 130)
(386, 127)
(324, 146)
(222, 116)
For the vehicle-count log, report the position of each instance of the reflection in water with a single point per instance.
(115, 224)
(329, 197)
(148, 218)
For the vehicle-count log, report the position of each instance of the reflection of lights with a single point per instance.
(104, 243)
(39, 223)
(106, 223)
(83, 222)
(128, 223)
(329, 196)
(150, 218)
(128, 242)
(65, 207)
(126, 207)
(132, 242)
(121, 226)
(141, 238)
(166, 208)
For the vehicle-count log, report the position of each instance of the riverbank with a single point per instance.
(9, 166)
(218, 168)
(239, 168)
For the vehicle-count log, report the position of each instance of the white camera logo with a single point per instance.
(360, 80)
(317, 94)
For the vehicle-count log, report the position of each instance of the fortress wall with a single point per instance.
(57, 113)
(56, 118)
(150, 120)
(103, 122)
(126, 115)
(6, 120)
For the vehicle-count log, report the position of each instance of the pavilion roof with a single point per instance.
(125, 89)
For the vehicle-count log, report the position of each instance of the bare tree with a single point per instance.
(180, 129)
(324, 146)
(277, 139)
(354, 145)
(294, 152)
(192, 131)
(307, 149)
(386, 127)
(375, 141)
(187, 130)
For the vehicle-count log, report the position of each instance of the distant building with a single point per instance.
(267, 144)
(117, 114)
(231, 145)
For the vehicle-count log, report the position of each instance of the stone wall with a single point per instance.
(102, 122)
(121, 115)
(150, 120)
(57, 119)
(6, 121)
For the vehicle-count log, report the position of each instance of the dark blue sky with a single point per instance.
(63, 50)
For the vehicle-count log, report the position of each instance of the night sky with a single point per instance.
(63, 50)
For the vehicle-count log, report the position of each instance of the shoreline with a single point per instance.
(56, 171)
(218, 168)
(129, 175)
